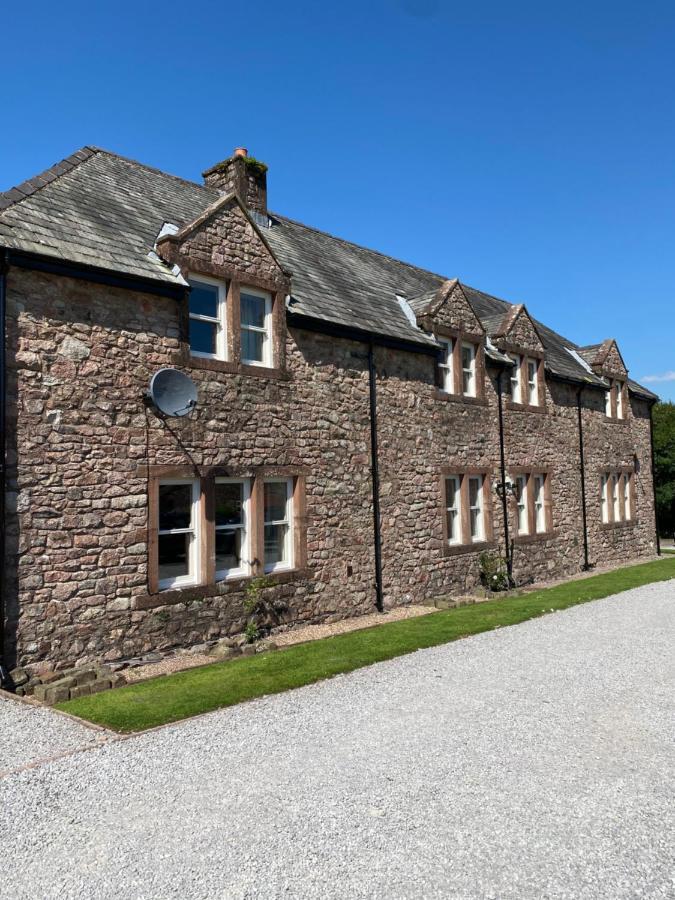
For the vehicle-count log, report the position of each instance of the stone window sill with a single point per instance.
(610, 526)
(460, 549)
(525, 407)
(534, 538)
(612, 420)
(223, 365)
(459, 398)
(218, 589)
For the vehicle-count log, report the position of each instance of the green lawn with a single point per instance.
(173, 697)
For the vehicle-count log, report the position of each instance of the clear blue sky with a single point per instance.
(527, 148)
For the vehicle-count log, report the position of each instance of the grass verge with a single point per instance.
(173, 697)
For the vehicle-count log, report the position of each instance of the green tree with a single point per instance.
(664, 465)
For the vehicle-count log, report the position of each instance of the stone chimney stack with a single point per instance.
(243, 175)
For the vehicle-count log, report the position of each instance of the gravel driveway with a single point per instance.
(535, 761)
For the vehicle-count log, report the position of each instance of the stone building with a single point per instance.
(366, 431)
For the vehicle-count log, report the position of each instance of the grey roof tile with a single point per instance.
(100, 209)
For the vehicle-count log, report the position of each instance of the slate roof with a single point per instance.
(100, 209)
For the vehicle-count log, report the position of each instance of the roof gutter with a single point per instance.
(38, 263)
(323, 326)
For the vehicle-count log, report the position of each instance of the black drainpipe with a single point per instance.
(582, 472)
(375, 471)
(656, 519)
(502, 462)
(4, 676)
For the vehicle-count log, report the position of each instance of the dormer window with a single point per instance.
(207, 318)
(614, 400)
(256, 327)
(525, 380)
(469, 369)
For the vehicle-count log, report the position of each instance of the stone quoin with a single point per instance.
(128, 533)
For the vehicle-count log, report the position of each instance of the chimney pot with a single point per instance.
(242, 175)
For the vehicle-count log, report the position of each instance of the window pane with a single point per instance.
(252, 345)
(451, 491)
(476, 524)
(467, 357)
(275, 537)
(522, 505)
(229, 503)
(228, 549)
(174, 555)
(474, 486)
(453, 525)
(203, 336)
(276, 494)
(175, 506)
(252, 310)
(204, 299)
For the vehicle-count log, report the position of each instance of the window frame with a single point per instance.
(532, 383)
(465, 542)
(516, 380)
(289, 550)
(539, 502)
(195, 561)
(528, 478)
(617, 492)
(479, 507)
(220, 320)
(245, 527)
(522, 503)
(604, 499)
(454, 508)
(619, 399)
(522, 398)
(447, 369)
(267, 330)
(204, 580)
(470, 345)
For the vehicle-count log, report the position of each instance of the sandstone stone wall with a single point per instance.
(80, 358)
(78, 471)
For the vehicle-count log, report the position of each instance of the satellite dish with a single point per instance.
(173, 392)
